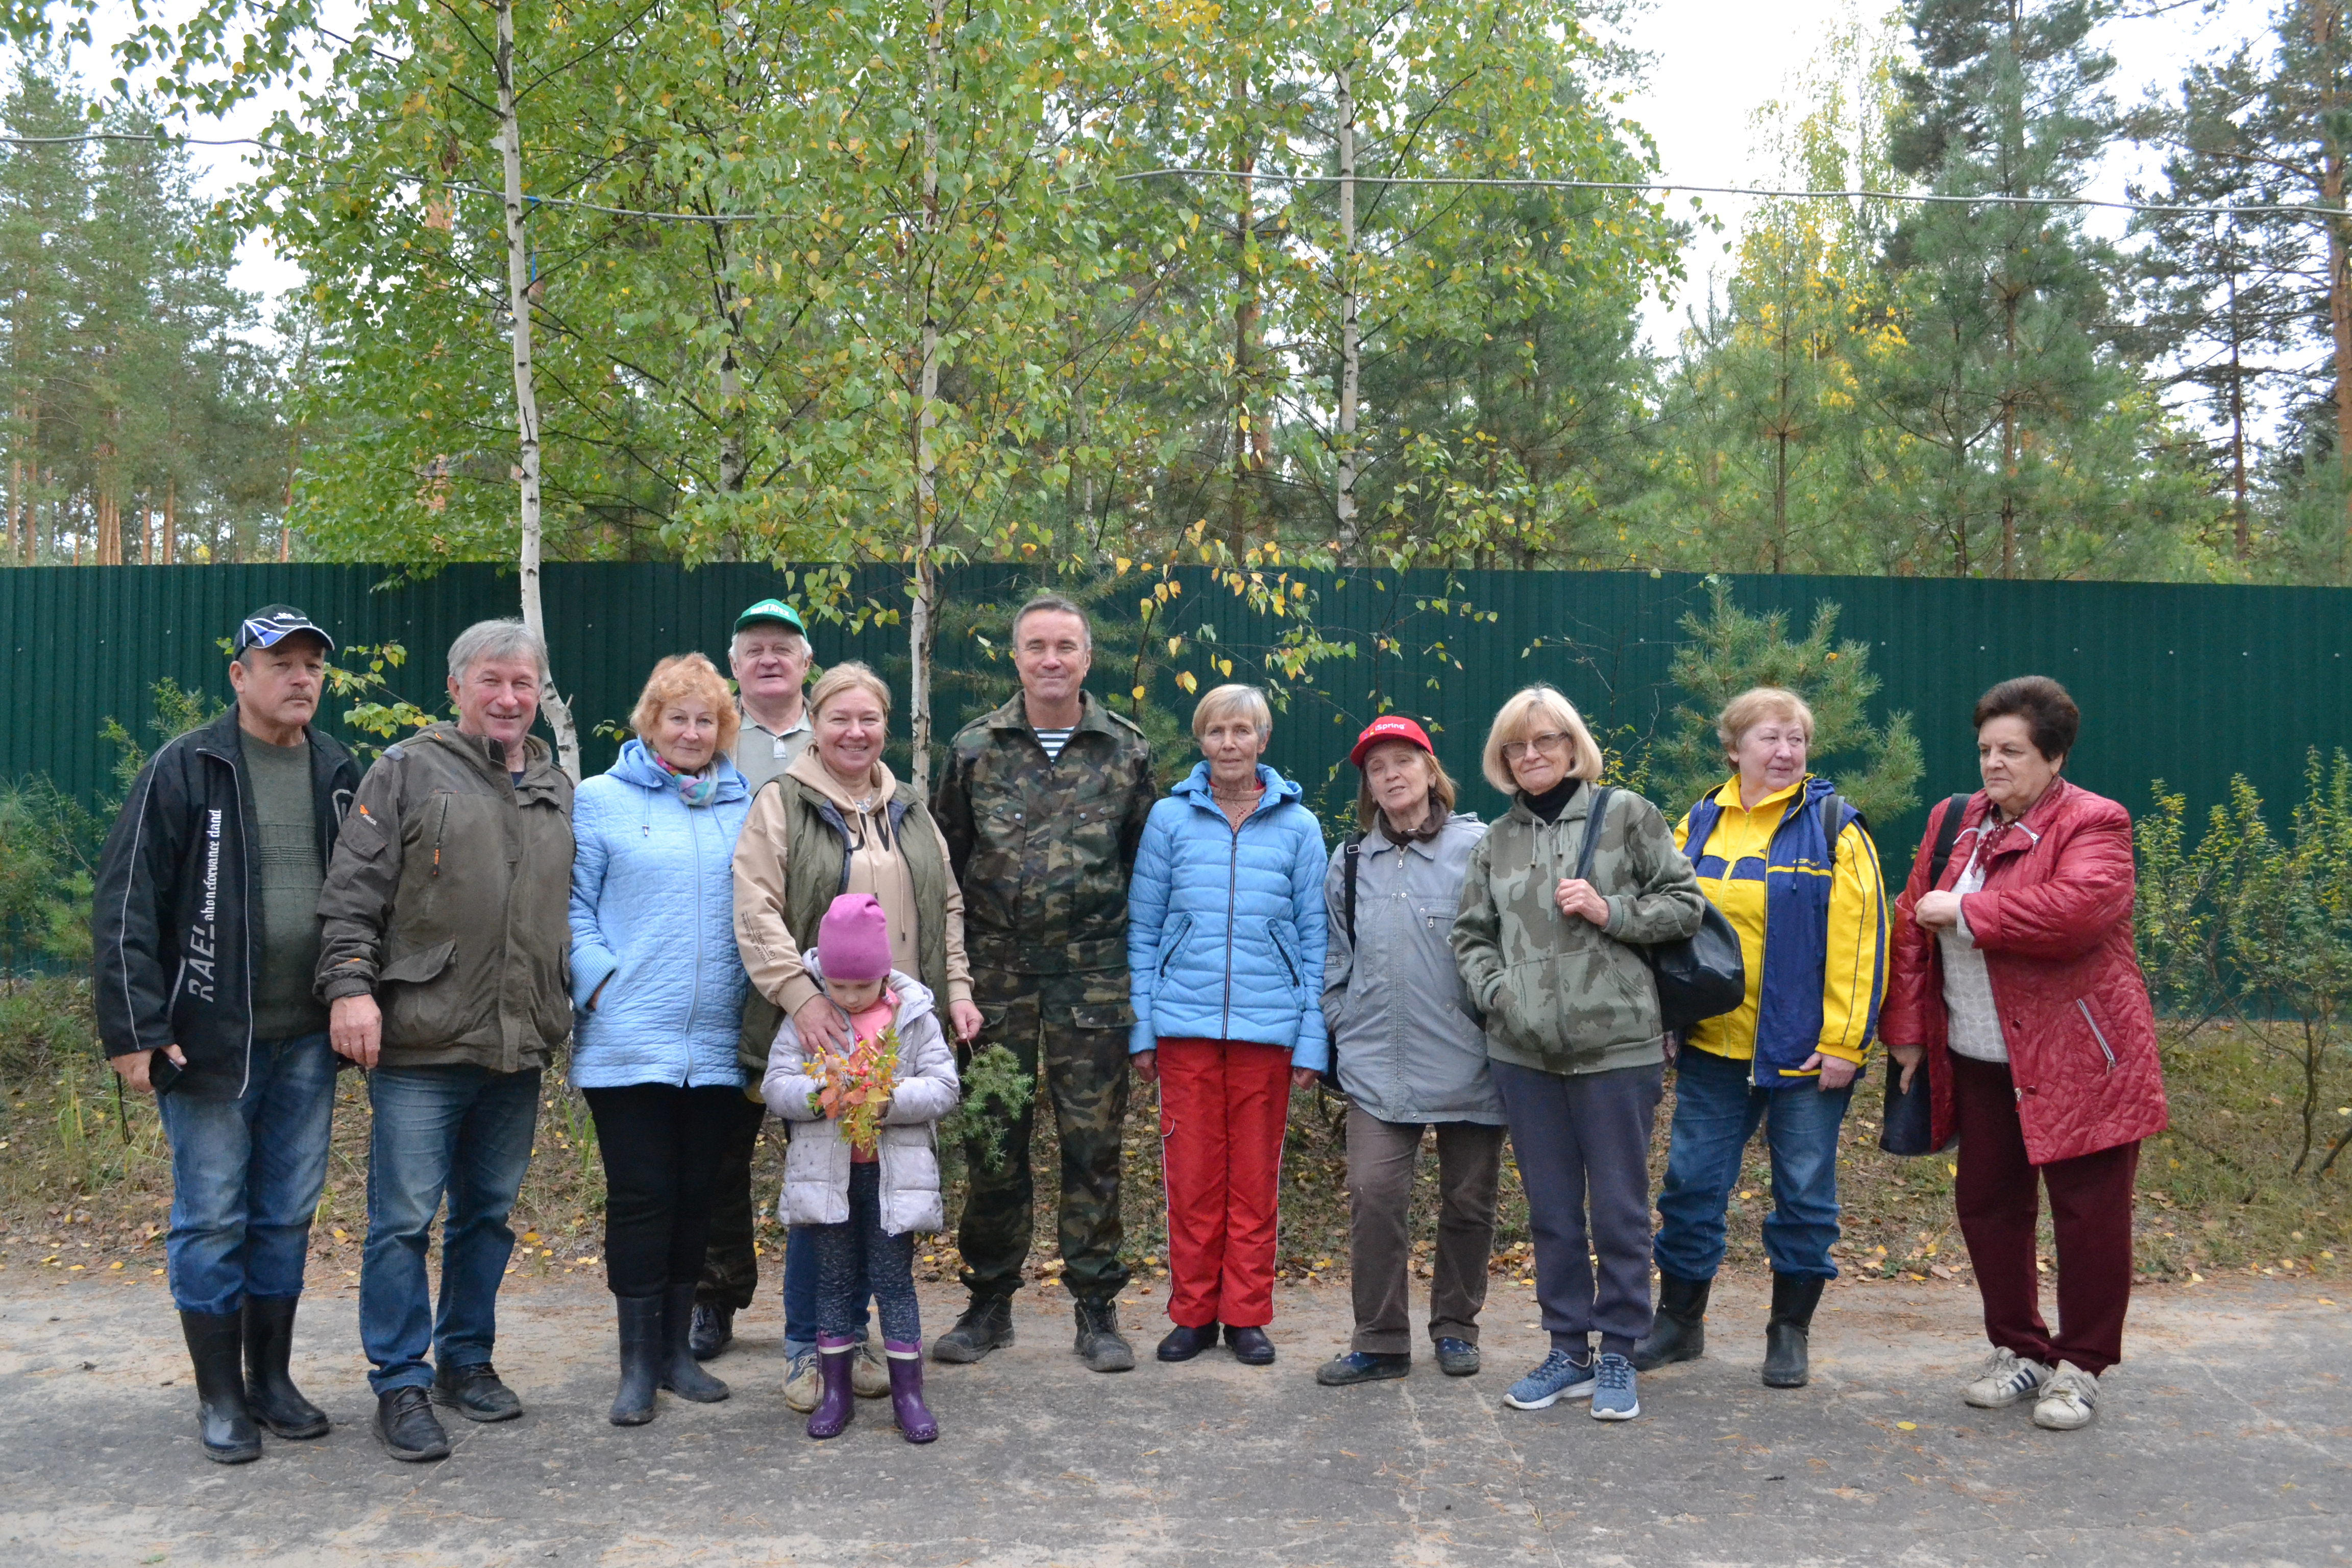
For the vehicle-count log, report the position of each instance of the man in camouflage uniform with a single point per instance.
(1043, 803)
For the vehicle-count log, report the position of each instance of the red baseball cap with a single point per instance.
(1390, 727)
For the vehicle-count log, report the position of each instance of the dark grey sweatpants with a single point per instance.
(1582, 1139)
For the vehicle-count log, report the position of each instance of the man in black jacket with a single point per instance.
(206, 931)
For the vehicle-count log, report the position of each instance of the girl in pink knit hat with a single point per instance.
(862, 1169)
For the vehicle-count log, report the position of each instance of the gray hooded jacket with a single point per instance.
(1405, 1036)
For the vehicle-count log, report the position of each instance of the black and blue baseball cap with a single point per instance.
(273, 624)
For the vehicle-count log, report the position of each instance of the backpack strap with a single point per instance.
(1592, 819)
(1353, 852)
(1836, 811)
(1947, 834)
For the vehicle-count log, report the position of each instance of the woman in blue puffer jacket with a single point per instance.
(658, 996)
(1225, 952)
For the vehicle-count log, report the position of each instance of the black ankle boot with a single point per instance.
(1786, 1337)
(986, 1325)
(640, 1355)
(269, 1391)
(680, 1373)
(223, 1422)
(1679, 1330)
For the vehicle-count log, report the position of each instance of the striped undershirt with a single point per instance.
(1054, 740)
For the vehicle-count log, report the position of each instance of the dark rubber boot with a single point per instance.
(835, 1402)
(986, 1325)
(641, 1358)
(680, 1373)
(714, 1330)
(907, 1406)
(1679, 1330)
(1788, 1336)
(1099, 1344)
(223, 1422)
(269, 1391)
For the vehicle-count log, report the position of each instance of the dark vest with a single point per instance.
(816, 872)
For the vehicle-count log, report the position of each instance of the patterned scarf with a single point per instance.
(695, 789)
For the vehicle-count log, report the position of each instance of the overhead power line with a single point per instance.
(2252, 210)
(2280, 209)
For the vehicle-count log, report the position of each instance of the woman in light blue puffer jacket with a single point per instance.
(1224, 950)
(657, 994)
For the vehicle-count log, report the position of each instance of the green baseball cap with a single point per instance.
(771, 610)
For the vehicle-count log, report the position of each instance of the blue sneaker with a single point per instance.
(1561, 1376)
(1612, 1395)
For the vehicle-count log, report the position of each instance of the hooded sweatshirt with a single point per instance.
(877, 865)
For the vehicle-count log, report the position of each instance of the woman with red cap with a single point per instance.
(1408, 1051)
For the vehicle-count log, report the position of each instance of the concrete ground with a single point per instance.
(2224, 1439)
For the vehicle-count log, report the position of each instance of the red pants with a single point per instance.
(1223, 1108)
(1998, 1200)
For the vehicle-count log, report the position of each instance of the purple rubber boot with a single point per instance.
(907, 1404)
(835, 1403)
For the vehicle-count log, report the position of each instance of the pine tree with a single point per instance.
(1769, 460)
(2041, 433)
(1731, 651)
(140, 414)
(2258, 306)
(2235, 303)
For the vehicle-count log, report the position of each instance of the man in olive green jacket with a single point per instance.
(445, 933)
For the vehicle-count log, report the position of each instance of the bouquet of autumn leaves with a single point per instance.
(854, 1089)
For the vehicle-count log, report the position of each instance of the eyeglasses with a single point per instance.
(1549, 741)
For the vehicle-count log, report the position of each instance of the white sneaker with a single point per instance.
(2005, 1378)
(802, 1383)
(2067, 1403)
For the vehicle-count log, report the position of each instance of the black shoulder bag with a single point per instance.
(1699, 976)
(1909, 1127)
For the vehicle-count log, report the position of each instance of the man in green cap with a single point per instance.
(770, 657)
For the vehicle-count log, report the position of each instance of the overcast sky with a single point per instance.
(1714, 62)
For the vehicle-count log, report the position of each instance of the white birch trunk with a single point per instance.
(550, 701)
(1349, 356)
(925, 582)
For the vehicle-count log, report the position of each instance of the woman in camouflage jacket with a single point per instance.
(1573, 1033)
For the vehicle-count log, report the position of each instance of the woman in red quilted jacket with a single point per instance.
(2014, 982)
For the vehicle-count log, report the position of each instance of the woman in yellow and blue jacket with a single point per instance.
(1791, 866)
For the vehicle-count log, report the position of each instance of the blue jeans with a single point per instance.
(1716, 1110)
(246, 1171)
(465, 1131)
(801, 1271)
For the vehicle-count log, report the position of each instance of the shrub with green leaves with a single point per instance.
(2254, 932)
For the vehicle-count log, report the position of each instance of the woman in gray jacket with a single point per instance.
(1408, 1052)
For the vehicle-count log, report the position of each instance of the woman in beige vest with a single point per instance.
(838, 821)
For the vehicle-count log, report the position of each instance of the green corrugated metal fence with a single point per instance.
(2186, 683)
